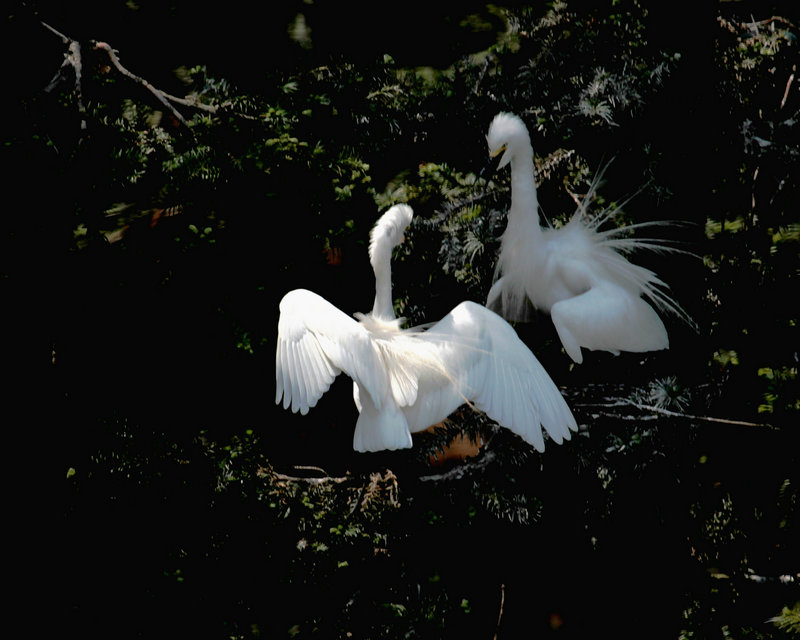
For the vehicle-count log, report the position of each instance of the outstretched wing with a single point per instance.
(316, 342)
(484, 362)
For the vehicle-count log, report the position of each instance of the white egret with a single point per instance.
(408, 380)
(576, 273)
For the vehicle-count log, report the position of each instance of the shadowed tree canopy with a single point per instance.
(173, 170)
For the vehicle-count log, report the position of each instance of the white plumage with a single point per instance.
(576, 273)
(407, 380)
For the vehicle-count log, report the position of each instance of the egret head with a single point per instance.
(389, 229)
(507, 134)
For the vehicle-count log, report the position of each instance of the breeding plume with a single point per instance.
(578, 274)
(407, 380)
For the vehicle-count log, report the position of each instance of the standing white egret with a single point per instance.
(408, 380)
(576, 273)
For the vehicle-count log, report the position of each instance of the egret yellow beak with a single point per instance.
(492, 161)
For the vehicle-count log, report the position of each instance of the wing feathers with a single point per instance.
(420, 378)
(486, 363)
(316, 342)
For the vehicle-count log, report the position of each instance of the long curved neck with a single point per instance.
(524, 200)
(383, 308)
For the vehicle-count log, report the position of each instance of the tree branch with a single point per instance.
(76, 61)
(313, 481)
(500, 613)
(160, 96)
(674, 414)
(64, 38)
(770, 20)
(732, 26)
(209, 108)
(782, 579)
(788, 85)
(71, 59)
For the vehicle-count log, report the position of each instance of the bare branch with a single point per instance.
(782, 579)
(64, 38)
(313, 481)
(75, 60)
(71, 59)
(480, 77)
(500, 613)
(771, 19)
(160, 96)
(195, 104)
(788, 85)
(164, 98)
(209, 108)
(59, 76)
(674, 414)
(732, 26)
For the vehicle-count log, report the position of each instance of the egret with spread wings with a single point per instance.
(406, 380)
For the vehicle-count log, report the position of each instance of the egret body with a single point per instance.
(596, 298)
(406, 380)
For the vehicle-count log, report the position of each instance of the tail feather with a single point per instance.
(380, 430)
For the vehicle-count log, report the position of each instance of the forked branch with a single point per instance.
(73, 60)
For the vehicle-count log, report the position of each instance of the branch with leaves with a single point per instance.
(73, 59)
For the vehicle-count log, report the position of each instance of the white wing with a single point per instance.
(486, 363)
(316, 342)
(609, 318)
(605, 311)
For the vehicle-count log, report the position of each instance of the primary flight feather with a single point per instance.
(405, 380)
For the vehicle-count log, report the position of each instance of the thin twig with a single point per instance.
(500, 613)
(788, 85)
(312, 481)
(308, 467)
(195, 104)
(480, 77)
(64, 38)
(77, 64)
(732, 26)
(753, 190)
(59, 75)
(209, 108)
(782, 579)
(769, 20)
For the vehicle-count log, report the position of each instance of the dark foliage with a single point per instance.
(149, 239)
